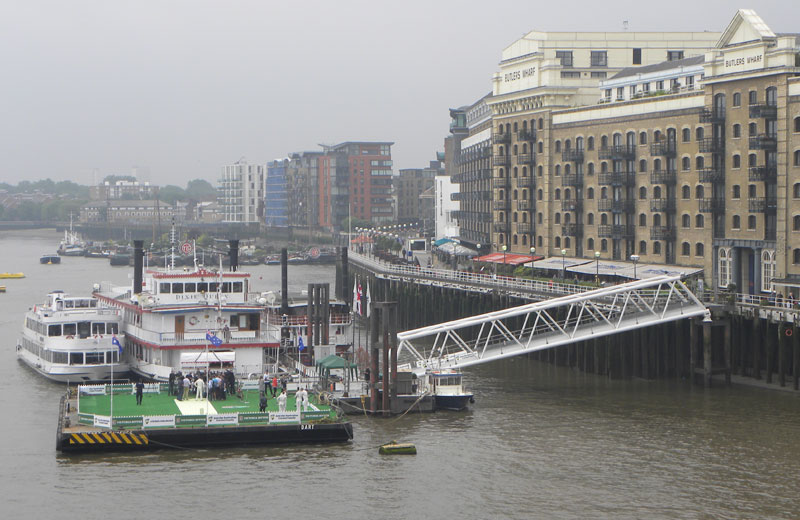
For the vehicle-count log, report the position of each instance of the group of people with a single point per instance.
(300, 399)
(219, 385)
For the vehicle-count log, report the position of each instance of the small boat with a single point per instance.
(50, 259)
(2, 288)
(12, 275)
(119, 259)
(398, 448)
(448, 390)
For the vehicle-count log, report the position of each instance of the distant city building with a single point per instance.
(445, 208)
(416, 195)
(276, 212)
(130, 211)
(241, 192)
(122, 190)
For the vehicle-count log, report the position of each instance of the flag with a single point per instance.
(213, 339)
(369, 301)
(360, 308)
(115, 342)
(300, 345)
(356, 297)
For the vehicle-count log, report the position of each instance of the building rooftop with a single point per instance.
(658, 67)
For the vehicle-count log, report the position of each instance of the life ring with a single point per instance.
(789, 332)
(193, 320)
(70, 337)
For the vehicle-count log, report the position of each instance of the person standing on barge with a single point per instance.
(282, 402)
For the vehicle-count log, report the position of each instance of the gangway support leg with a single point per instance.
(796, 357)
(707, 354)
(692, 348)
(756, 347)
(781, 349)
(728, 352)
(373, 359)
(770, 348)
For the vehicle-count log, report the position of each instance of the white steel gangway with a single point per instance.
(547, 324)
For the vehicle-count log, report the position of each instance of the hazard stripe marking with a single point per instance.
(116, 439)
(99, 438)
(88, 438)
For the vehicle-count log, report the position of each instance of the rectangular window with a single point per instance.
(112, 328)
(76, 358)
(637, 56)
(599, 59)
(98, 328)
(164, 288)
(565, 57)
(753, 97)
(70, 329)
(620, 93)
(660, 85)
(674, 55)
(177, 288)
(54, 330)
(570, 74)
(599, 74)
(189, 287)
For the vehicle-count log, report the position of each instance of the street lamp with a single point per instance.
(564, 264)
(533, 259)
(597, 267)
(634, 258)
(504, 255)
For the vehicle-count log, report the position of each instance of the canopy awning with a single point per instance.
(442, 241)
(333, 361)
(456, 249)
(506, 258)
(626, 270)
(200, 359)
(556, 263)
(786, 282)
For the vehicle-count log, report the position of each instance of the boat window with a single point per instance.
(164, 288)
(95, 358)
(226, 287)
(237, 286)
(112, 328)
(112, 356)
(69, 304)
(93, 304)
(190, 287)
(212, 286)
(82, 304)
(70, 329)
(98, 328)
(60, 357)
(177, 288)
(202, 287)
(84, 329)
(76, 358)
(54, 330)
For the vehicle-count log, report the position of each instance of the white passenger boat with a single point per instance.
(71, 339)
(448, 389)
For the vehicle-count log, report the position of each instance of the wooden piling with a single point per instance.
(727, 347)
(707, 354)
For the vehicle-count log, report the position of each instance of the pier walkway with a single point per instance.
(551, 323)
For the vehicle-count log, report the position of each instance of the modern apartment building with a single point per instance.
(276, 209)
(411, 183)
(241, 192)
(122, 190)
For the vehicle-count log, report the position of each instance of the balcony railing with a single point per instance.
(662, 233)
(616, 231)
(619, 152)
(573, 179)
(501, 138)
(764, 142)
(572, 155)
(711, 205)
(500, 160)
(662, 205)
(524, 205)
(572, 205)
(763, 205)
(500, 182)
(501, 205)
(525, 182)
(666, 148)
(712, 174)
(714, 115)
(663, 177)
(526, 158)
(524, 227)
(763, 173)
(572, 230)
(617, 179)
(711, 145)
(527, 135)
(763, 111)
(616, 205)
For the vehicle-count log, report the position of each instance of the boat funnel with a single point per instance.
(233, 254)
(138, 264)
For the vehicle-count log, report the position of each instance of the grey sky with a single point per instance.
(183, 87)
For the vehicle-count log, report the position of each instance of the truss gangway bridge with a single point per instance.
(547, 324)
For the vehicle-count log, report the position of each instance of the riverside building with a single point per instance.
(241, 192)
(687, 154)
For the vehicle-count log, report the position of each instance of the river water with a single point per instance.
(540, 442)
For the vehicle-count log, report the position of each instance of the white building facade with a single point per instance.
(242, 189)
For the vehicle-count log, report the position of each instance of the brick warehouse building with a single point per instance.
(689, 161)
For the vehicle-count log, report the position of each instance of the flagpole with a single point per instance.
(111, 411)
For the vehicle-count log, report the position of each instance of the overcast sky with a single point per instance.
(182, 87)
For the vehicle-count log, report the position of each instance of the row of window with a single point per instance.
(199, 287)
(71, 358)
(82, 329)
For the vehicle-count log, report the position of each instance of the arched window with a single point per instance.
(502, 172)
(686, 220)
(590, 244)
(567, 169)
(796, 256)
(796, 223)
(699, 192)
(796, 190)
(604, 141)
(524, 240)
(567, 144)
(515, 217)
(579, 143)
(656, 248)
(752, 129)
(501, 238)
(514, 195)
(502, 216)
(539, 241)
(539, 170)
(642, 247)
(502, 194)
(751, 222)
(643, 193)
(603, 192)
(604, 245)
(514, 239)
(590, 220)
(642, 165)
(699, 133)
(657, 135)
(502, 151)
(539, 194)
(558, 146)
(524, 147)
(656, 220)
(699, 162)
(590, 141)
(686, 192)
(736, 161)
(686, 135)
(524, 171)
(724, 261)
(657, 192)
(558, 170)
(642, 220)
(557, 194)
(737, 131)
(566, 242)
(796, 161)
(567, 194)
(515, 126)
(767, 270)
(541, 123)
(736, 222)
(558, 218)
(541, 146)
(797, 124)
(603, 219)
(642, 137)
(686, 249)
(524, 217)
(603, 167)
(515, 149)
(590, 193)
(539, 217)
(699, 221)
(686, 164)
(752, 160)
(558, 242)
(657, 165)
(737, 99)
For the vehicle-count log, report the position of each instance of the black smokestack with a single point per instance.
(138, 264)
(233, 254)
(284, 281)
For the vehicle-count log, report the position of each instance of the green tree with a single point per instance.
(171, 194)
(200, 189)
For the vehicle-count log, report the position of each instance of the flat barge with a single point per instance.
(90, 421)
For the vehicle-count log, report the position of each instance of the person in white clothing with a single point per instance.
(305, 399)
(282, 402)
(200, 384)
(298, 398)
